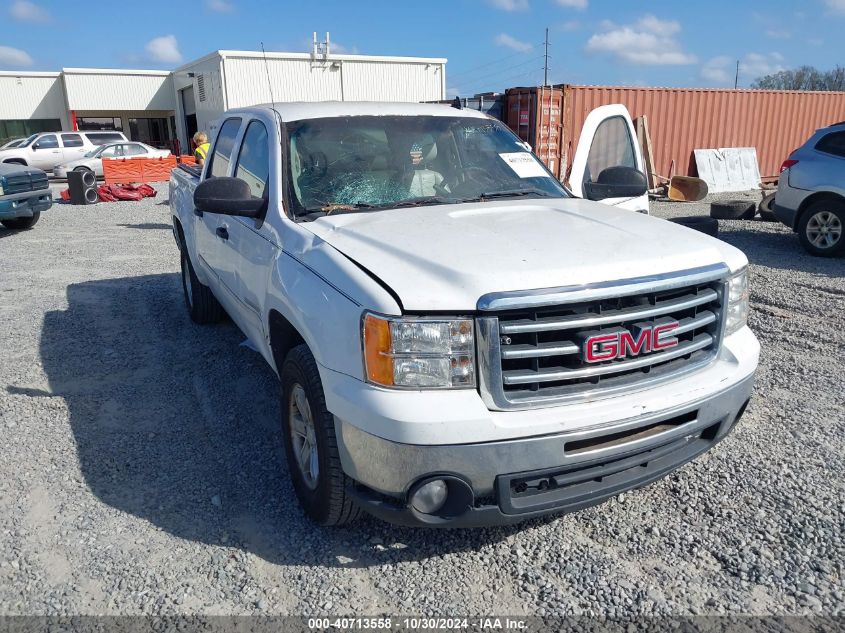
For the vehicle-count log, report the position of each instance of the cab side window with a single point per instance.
(253, 166)
(71, 140)
(221, 156)
(612, 146)
(47, 142)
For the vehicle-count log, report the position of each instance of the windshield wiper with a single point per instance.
(511, 193)
(418, 202)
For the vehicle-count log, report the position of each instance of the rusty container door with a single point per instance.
(536, 116)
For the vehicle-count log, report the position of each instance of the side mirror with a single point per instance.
(617, 182)
(34, 146)
(230, 196)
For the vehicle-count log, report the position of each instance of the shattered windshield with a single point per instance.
(379, 162)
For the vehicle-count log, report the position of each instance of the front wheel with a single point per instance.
(22, 223)
(310, 443)
(821, 228)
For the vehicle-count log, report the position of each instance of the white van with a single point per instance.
(47, 149)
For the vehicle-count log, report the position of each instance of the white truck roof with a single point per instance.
(295, 111)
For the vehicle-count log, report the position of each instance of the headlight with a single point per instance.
(737, 302)
(419, 353)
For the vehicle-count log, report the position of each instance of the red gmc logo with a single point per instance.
(645, 338)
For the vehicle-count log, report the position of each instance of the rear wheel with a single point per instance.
(202, 305)
(22, 223)
(310, 443)
(821, 228)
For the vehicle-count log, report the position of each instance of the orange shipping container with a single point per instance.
(775, 122)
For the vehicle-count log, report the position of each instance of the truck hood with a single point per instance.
(444, 258)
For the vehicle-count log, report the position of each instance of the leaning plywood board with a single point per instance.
(728, 169)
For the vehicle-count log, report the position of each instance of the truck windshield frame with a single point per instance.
(351, 164)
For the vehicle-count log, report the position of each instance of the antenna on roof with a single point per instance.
(270, 87)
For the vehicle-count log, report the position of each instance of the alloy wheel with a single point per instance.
(303, 436)
(824, 230)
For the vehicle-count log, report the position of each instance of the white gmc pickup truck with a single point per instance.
(460, 340)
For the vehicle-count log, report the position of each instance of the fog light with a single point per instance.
(430, 497)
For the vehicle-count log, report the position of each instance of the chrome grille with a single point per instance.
(533, 356)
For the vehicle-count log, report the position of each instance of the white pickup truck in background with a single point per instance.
(460, 340)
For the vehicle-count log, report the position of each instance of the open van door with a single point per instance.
(605, 160)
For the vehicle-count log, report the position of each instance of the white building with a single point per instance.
(159, 106)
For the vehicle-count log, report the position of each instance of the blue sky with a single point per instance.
(490, 44)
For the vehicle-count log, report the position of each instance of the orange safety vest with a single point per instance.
(201, 150)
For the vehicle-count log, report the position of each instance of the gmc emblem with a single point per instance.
(620, 343)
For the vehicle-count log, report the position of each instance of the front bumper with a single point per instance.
(25, 205)
(519, 479)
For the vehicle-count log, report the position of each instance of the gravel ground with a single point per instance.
(141, 469)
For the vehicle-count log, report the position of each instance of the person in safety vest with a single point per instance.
(201, 141)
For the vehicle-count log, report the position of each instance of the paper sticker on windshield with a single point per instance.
(525, 165)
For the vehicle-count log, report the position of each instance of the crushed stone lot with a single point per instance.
(141, 468)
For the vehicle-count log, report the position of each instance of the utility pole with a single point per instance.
(546, 64)
(736, 79)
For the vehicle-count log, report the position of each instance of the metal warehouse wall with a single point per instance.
(337, 79)
(681, 120)
(32, 96)
(113, 90)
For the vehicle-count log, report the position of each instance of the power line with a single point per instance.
(498, 72)
(496, 61)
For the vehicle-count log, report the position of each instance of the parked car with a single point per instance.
(24, 194)
(811, 192)
(15, 142)
(93, 160)
(460, 341)
(46, 150)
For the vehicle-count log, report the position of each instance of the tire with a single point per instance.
(15, 161)
(821, 228)
(21, 224)
(701, 223)
(733, 210)
(202, 305)
(318, 478)
(766, 208)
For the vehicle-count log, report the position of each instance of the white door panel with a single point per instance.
(608, 139)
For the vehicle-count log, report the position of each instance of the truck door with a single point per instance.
(607, 140)
(46, 152)
(72, 147)
(253, 245)
(212, 229)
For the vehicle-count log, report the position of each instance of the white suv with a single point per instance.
(47, 149)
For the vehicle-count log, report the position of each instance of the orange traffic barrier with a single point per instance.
(187, 159)
(128, 170)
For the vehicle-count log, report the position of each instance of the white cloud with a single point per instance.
(14, 57)
(341, 49)
(836, 6)
(510, 5)
(219, 6)
(25, 11)
(722, 69)
(573, 4)
(503, 39)
(717, 70)
(778, 34)
(649, 42)
(164, 49)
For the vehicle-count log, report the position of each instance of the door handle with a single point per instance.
(223, 232)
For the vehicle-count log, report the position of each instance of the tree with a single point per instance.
(803, 78)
